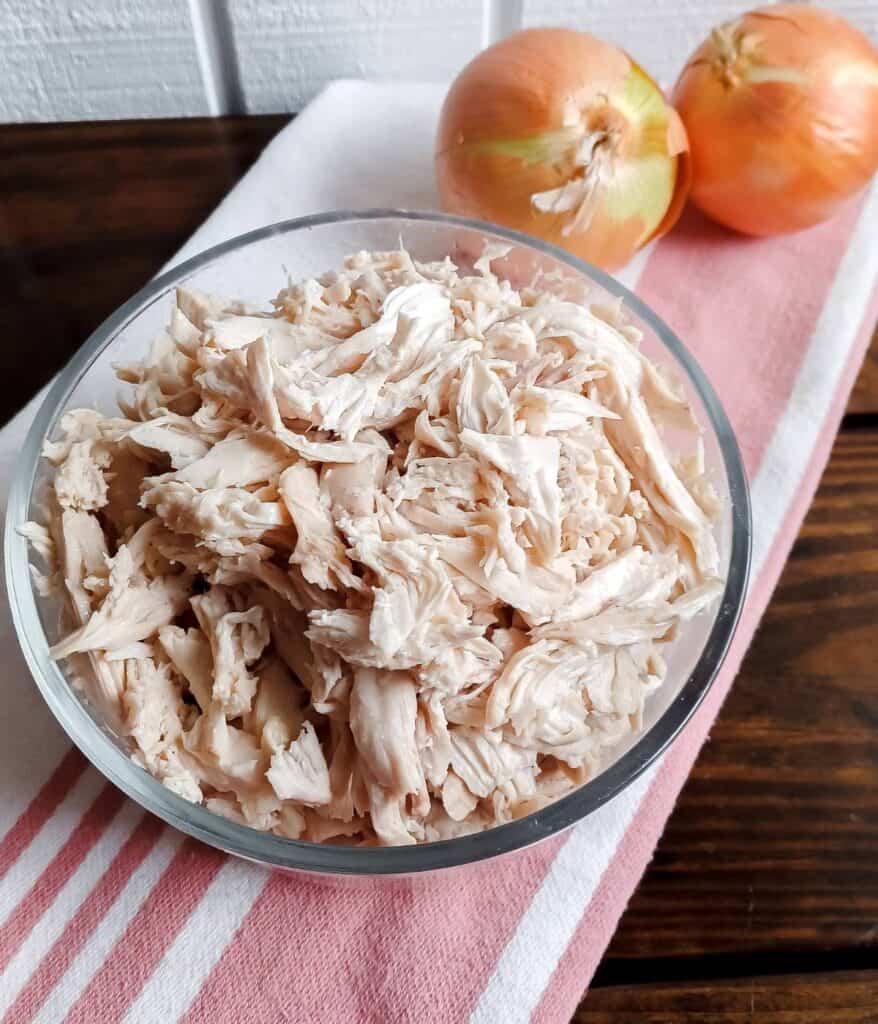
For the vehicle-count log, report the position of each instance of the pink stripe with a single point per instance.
(635, 851)
(154, 927)
(736, 343)
(92, 826)
(368, 953)
(41, 808)
(597, 925)
(366, 958)
(86, 919)
(729, 302)
(368, 932)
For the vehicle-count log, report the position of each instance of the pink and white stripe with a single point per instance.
(106, 915)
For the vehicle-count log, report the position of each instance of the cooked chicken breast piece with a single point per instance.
(396, 559)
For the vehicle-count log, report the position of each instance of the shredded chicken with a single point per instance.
(392, 562)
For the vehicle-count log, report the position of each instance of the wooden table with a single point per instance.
(738, 919)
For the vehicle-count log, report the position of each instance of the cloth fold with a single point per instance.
(107, 915)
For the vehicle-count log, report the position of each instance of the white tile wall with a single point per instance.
(84, 59)
(65, 60)
(288, 49)
(658, 34)
(661, 34)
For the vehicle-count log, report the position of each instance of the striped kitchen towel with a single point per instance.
(107, 915)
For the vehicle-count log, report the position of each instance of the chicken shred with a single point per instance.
(394, 561)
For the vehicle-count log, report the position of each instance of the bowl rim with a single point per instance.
(100, 749)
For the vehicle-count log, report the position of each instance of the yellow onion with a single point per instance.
(781, 110)
(560, 135)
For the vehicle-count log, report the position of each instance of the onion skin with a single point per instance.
(513, 127)
(781, 110)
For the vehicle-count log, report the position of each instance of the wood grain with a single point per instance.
(772, 845)
(768, 861)
(864, 399)
(768, 864)
(833, 998)
(88, 213)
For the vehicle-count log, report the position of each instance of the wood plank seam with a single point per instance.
(615, 971)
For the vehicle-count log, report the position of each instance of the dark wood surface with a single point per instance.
(768, 869)
(838, 997)
(88, 213)
(762, 901)
(774, 844)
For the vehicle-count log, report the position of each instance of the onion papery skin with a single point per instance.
(781, 110)
(568, 119)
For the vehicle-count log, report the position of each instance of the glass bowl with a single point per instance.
(254, 267)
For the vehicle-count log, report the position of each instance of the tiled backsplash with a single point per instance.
(73, 60)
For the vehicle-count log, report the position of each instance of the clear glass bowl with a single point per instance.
(254, 267)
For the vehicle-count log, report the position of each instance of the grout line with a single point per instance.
(217, 57)
(500, 18)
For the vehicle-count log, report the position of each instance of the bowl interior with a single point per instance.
(255, 268)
